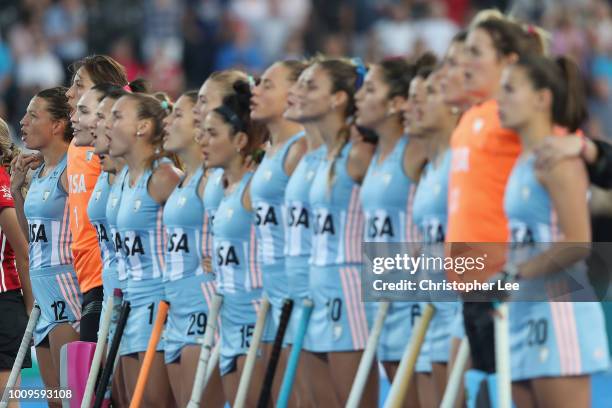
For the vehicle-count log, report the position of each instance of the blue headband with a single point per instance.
(164, 105)
(230, 116)
(361, 70)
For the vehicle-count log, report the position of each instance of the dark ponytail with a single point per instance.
(573, 112)
(58, 107)
(236, 111)
(564, 80)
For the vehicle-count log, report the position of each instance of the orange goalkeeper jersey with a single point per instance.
(83, 171)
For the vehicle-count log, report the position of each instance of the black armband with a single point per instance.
(600, 172)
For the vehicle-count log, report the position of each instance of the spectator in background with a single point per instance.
(435, 29)
(165, 73)
(600, 104)
(202, 21)
(39, 69)
(271, 22)
(21, 34)
(363, 16)
(567, 38)
(123, 52)
(65, 28)
(395, 34)
(6, 67)
(242, 52)
(326, 16)
(162, 29)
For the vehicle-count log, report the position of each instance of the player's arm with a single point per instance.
(567, 184)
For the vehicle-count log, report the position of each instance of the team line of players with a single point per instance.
(291, 225)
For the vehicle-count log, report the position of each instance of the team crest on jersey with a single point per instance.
(437, 188)
(543, 354)
(46, 195)
(386, 178)
(89, 155)
(114, 202)
(310, 175)
(525, 193)
(268, 175)
(182, 201)
(337, 331)
(229, 213)
(98, 194)
(478, 124)
(137, 205)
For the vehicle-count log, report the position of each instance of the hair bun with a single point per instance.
(242, 87)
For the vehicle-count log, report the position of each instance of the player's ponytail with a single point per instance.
(568, 93)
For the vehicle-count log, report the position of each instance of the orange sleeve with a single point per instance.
(83, 171)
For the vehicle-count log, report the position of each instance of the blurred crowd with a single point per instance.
(176, 44)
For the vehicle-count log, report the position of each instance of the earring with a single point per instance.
(237, 150)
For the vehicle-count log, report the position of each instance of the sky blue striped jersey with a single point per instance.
(184, 221)
(140, 226)
(337, 214)
(112, 210)
(213, 194)
(96, 211)
(298, 223)
(387, 196)
(235, 244)
(430, 201)
(267, 194)
(46, 210)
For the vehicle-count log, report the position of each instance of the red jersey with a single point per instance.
(9, 279)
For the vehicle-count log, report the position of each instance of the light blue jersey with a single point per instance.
(140, 225)
(184, 221)
(96, 211)
(339, 320)
(46, 209)
(429, 213)
(112, 210)
(387, 196)
(235, 244)
(187, 288)
(430, 201)
(54, 283)
(143, 243)
(338, 219)
(267, 195)
(213, 194)
(299, 222)
(548, 339)
(239, 278)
